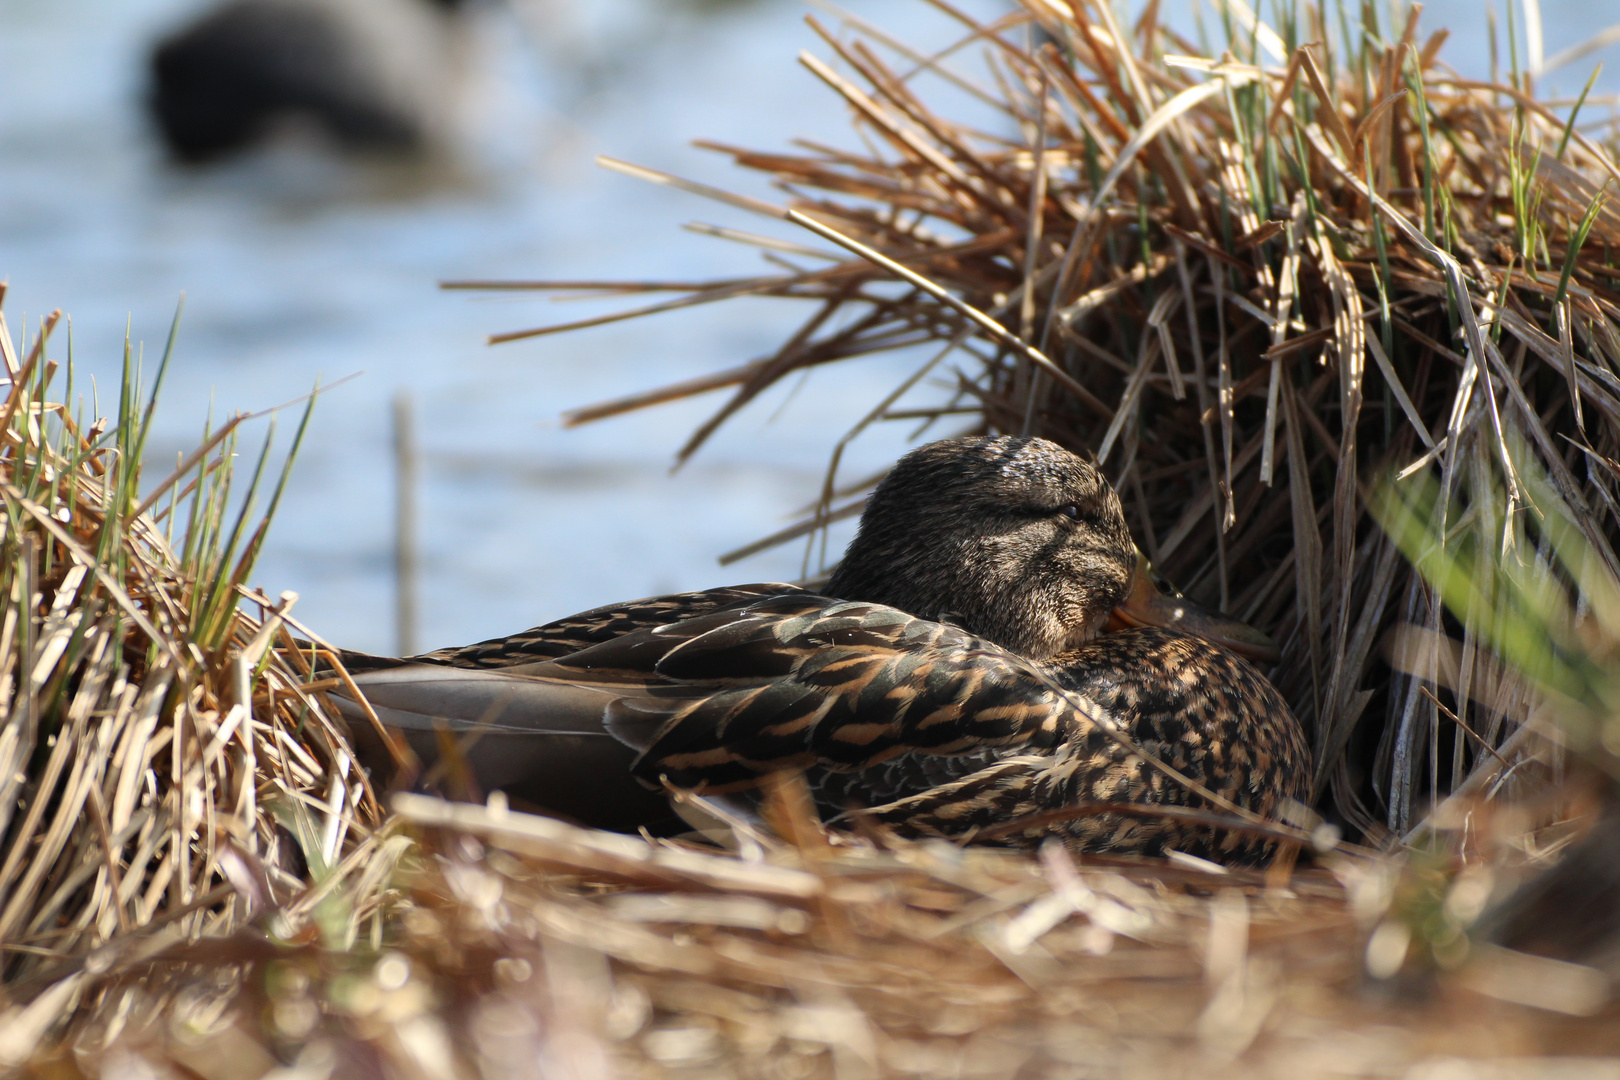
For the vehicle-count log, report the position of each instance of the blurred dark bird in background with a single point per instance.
(371, 75)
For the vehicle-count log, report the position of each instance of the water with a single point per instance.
(296, 266)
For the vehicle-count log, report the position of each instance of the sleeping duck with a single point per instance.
(989, 651)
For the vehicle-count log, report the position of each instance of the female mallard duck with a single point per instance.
(953, 676)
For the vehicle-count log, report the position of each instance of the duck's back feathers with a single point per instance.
(932, 730)
(808, 680)
(715, 701)
(600, 625)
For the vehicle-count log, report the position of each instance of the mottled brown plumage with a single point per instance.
(952, 681)
(1016, 540)
(1197, 708)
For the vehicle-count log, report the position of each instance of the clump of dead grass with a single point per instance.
(163, 774)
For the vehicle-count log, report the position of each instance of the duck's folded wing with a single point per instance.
(717, 701)
(588, 628)
(542, 743)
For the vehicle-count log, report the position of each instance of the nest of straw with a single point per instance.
(523, 946)
(1251, 285)
(163, 774)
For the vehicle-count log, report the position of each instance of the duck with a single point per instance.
(373, 75)
(990, 660)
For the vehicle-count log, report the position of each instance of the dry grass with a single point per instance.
(1258, 287)
(526, 947)
(163, 776)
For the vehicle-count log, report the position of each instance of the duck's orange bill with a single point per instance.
(1147, 606)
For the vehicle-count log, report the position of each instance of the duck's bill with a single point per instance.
(1147, 606)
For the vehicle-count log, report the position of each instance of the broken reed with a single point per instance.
(162, 773)
(1246, 282)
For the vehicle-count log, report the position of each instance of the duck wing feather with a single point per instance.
(807, 680)
(581, 631)
(714, 702)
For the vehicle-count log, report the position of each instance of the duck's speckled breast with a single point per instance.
(1197, 708)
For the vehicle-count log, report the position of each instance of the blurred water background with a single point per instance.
(297, 264)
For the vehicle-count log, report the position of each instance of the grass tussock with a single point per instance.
(163, 775)
(1250, 282)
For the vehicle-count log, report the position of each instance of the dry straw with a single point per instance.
(525, 947)
(163, 775)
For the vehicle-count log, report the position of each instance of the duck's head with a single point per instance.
(1014, 539)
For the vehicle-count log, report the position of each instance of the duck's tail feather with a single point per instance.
(544, 744)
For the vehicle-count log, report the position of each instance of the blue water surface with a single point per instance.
(296, 266)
